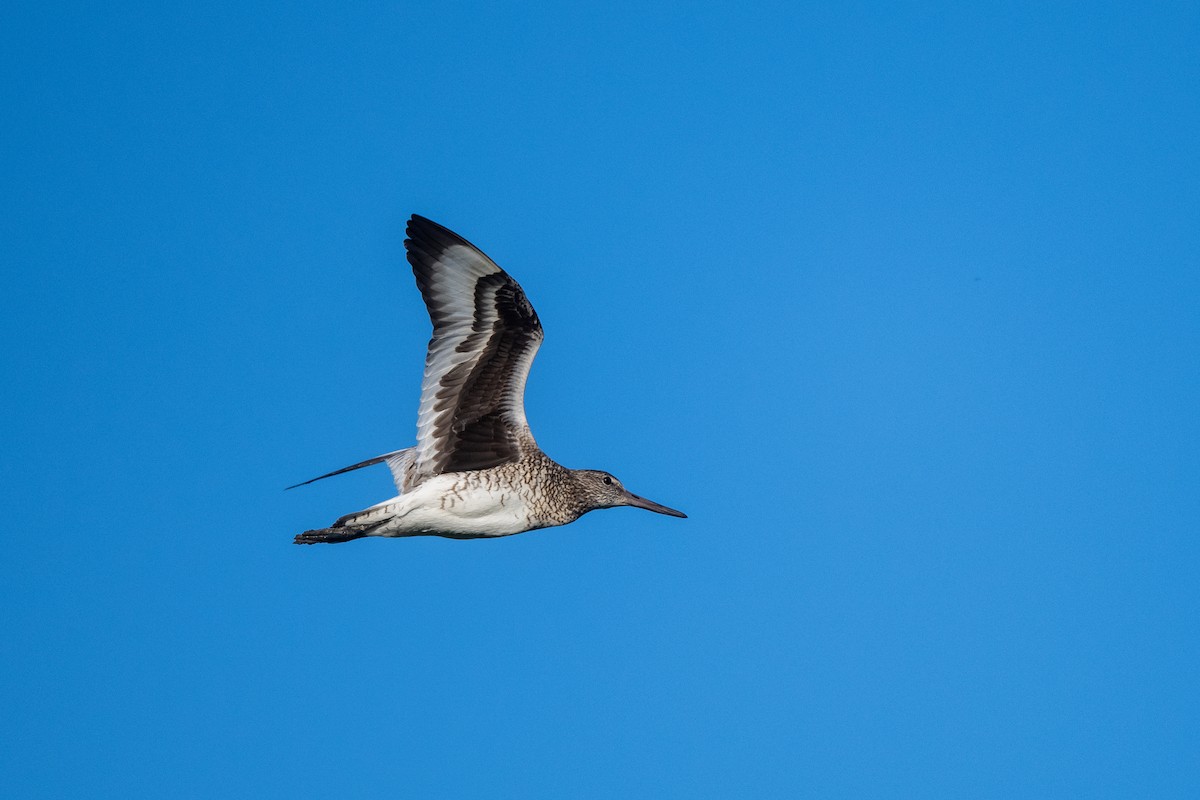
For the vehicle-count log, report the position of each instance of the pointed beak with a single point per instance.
(632, 499)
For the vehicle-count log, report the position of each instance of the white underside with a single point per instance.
(448, 505)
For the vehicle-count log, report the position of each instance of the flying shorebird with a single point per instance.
(475, 471)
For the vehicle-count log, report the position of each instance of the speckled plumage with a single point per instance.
(476, 470)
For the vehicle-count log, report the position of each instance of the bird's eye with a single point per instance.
(608, 480)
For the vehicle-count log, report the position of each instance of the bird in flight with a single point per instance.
(476, 471)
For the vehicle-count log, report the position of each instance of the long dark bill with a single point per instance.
(650, 505)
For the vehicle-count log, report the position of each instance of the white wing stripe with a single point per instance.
(485, 337)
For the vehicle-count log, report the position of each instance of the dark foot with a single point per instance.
(330, 535)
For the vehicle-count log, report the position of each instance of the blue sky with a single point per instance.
(900, 302)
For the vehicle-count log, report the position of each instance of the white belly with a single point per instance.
(449, 505)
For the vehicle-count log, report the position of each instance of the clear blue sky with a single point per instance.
(901, 303)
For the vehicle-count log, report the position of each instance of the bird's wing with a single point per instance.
(485, 335)
(399, 462)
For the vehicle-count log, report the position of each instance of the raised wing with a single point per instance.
(485, 335)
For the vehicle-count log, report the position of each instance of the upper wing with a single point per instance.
(485, 335)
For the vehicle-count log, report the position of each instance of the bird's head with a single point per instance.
(602, 490)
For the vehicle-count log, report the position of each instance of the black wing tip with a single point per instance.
(416, 223)
(433, 238)
(369, 462)
(424, 229)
